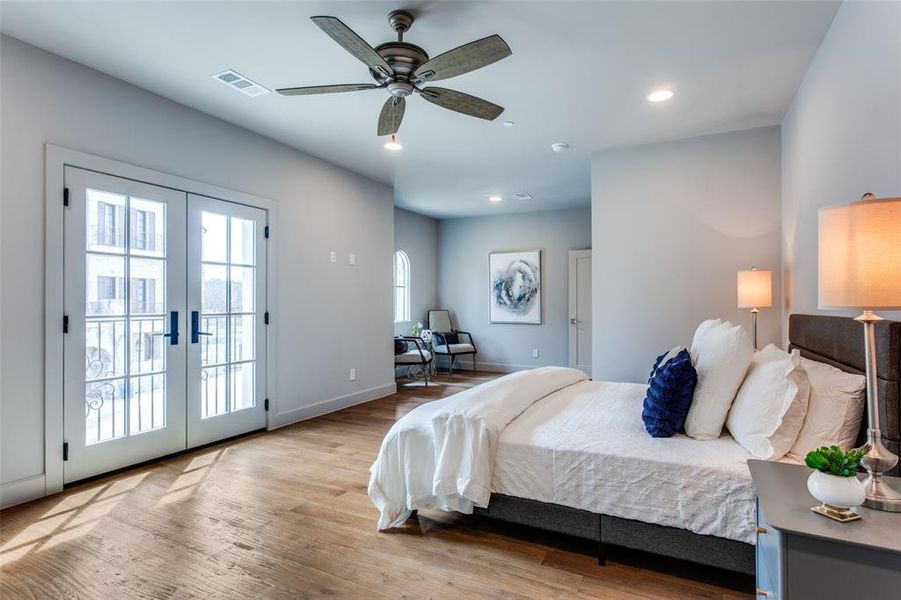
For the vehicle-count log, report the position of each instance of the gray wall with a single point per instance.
(322, 320)
(672, 223)
(463, 282)
(417, 235)
(841, 137)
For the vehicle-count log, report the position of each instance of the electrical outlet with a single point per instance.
(353, 374)
(534, 352)
(333, 256)
(352, 259)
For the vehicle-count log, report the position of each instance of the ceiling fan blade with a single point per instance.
(464, 59)
(350, 41)
(462, 103)
(391, 116)
(326, 89)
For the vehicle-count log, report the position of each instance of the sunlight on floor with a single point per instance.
(193, 475)
(77, 512)
(71, 517)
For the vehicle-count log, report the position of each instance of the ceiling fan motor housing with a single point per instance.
(403, 58)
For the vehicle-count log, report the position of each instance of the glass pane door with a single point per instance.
(125, 300)
(227, 299)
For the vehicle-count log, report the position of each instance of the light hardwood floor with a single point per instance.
(285, 514)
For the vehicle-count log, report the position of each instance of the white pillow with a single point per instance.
(835, 409)
(723, 356)
(702, 329)
(771, 404)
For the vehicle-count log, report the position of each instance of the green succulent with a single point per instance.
(832, 460)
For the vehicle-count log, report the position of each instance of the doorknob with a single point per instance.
(573, 321)
(195, 327)
(173, 328)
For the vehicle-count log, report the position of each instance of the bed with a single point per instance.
(572, 464)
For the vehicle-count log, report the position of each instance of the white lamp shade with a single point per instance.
(860, 255)
(755, 289)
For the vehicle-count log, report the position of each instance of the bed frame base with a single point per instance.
(607, 531)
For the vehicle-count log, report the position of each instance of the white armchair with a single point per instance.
(448, 341)
(415, 352)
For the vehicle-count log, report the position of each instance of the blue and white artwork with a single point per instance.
(515, 287)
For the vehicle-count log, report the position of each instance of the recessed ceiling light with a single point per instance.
(509, 123)
(495, 198)
(660, 95)
(559, 147)
(393, 144)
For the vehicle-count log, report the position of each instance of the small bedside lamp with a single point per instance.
(755, 291)
(860, 267)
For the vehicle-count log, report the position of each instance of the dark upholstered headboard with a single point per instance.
(838, 341)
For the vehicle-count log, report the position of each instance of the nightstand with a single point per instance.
(802, 555)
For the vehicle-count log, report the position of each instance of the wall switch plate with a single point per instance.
(333, 256)
(534, 352)
(353, 374)
(352, 259)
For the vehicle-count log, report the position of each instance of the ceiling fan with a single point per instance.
(403, 69)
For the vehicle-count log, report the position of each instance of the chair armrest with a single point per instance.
(420, 346)
(469, 335)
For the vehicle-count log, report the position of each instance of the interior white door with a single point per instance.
(125, 294)
(580, 310)
(226, 338)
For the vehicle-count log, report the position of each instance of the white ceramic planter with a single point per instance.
(840, 492)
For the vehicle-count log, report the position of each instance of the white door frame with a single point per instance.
(574, 256)
(56, 159)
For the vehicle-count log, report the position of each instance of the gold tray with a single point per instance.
(842, 515)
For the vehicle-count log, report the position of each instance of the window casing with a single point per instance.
(401, 287)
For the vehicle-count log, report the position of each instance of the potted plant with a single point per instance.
(834, 480)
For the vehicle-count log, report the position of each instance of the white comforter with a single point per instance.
(441, 454)
(586, 447)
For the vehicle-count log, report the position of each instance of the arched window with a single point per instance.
(401, 287)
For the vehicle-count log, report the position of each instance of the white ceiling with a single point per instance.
(578, 74)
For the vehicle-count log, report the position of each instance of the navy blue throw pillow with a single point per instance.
(670, 389)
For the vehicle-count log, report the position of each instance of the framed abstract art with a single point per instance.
(514, 287)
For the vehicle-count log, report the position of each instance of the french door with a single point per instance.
(227, 294)
(165, 344)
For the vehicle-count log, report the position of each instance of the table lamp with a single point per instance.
(860, 267)
(755, 291)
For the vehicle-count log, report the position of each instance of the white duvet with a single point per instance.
(586, 447)
(441, 454)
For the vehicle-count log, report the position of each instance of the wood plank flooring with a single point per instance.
(285, 514)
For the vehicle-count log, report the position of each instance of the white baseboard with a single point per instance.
(331, 405)
(22, 490)
(499, 367)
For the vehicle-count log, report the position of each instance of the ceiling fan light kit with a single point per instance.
(393, 144)
(403, 69)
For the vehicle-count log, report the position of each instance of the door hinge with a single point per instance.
(266, 317)
(266, 404)
(65, 196)
(65, 450)
(65, 323)
(266, 232)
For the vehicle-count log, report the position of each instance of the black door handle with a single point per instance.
(195, 327)
(173, 328)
